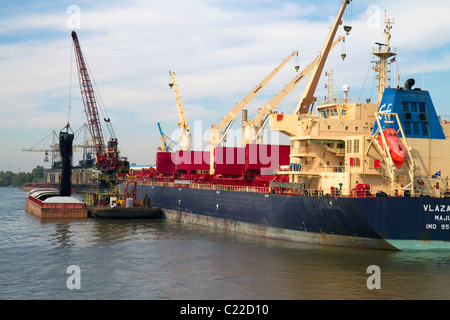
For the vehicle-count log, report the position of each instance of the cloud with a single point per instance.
(219, 50)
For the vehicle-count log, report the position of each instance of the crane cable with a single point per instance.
(348, 17)
(101, 105)
(70, 84)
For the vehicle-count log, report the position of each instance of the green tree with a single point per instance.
(6, 178)
(9, 178)
(38, 174)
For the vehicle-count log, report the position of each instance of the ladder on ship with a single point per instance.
(383, 150)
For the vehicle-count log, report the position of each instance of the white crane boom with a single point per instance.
(307, 98)
(216, 137)
(250, 125)
(288, 88)
(185, 132)
(238, 108)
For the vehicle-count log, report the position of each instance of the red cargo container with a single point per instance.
(164, 163)
(191, 161)
(229, 161)
(259, 156)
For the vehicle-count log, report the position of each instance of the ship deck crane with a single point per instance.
(108, 159)
(185, 132)
(253, 128)
(218, 136)
(307, 98)
(164, 138)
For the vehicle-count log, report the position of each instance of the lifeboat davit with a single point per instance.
(396, 148)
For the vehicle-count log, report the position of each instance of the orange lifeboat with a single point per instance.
(396, 148)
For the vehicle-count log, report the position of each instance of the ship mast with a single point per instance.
(384, 53)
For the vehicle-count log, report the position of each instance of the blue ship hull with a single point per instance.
(393, 223)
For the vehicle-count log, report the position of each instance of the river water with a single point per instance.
(167, 260)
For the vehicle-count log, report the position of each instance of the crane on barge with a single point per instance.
(108, 159)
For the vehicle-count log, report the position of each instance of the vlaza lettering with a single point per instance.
(436, 208)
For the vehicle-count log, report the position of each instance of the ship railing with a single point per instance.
(334, 100)
(158, 183)
(384, 49)
(205, 186)
(336, 192)
(301, 151)
(220, 187)
(331, 169)
(300, 168)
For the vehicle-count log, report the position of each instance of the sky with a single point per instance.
(219, 50)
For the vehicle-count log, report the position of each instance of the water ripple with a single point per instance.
(159, 259)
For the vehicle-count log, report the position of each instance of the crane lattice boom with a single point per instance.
(106, 159)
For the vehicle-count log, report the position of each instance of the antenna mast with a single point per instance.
(384, 53)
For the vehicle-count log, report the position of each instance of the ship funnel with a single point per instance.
(409, 83)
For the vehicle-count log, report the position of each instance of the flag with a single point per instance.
(436, 175)
(393, 60)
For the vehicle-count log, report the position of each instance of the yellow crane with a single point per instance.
(307, 98)
(253, 128)
(185, 132)
(216, 135)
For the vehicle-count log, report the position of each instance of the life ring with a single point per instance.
(307, 150)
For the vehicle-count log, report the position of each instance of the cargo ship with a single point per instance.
(357, 174)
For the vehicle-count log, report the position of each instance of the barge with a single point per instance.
(48, 204)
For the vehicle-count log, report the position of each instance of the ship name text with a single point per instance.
(436, 208)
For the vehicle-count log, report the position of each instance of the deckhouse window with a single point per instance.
(356, 146)
(407, 128)
(422, 107)
(349, 146)
(424, 129)
(416, 128)
(405, 106)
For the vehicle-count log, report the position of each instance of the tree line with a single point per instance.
(8, 178)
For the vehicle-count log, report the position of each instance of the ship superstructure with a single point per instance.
(344, 147)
